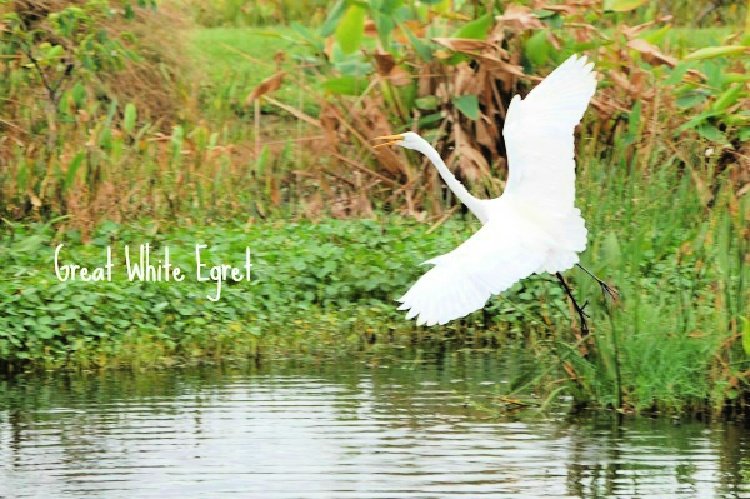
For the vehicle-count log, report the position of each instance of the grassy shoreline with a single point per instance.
(661, 183)
(329, 289)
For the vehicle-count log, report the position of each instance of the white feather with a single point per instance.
(534, 226)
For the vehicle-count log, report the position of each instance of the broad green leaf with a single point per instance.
(468, 105)
(711, 133)
(476, 29)
(537, 48)
(429, 119)
(388, 6)
(690, 99)
(345, 85)
(384, 24)
(130, 115)
(622, 5)
(677, 74)
(720, 51)
(422, 48)
(744, 134)
(611, 248)
(351, 29)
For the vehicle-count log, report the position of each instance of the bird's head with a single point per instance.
(409, 140)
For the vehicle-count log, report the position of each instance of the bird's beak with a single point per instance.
(392, 139)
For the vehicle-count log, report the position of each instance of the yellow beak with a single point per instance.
(392, 139)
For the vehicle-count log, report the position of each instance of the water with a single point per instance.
(395, 429)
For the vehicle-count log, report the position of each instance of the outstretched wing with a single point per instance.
(501, 253)
(539, 139)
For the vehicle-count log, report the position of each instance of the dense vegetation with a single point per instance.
(258, 137)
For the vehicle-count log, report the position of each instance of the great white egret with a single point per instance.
(534, 227)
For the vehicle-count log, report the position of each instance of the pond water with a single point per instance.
(354, 429)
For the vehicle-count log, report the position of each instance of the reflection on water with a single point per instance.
(399, 430)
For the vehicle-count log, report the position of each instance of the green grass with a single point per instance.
(665, 228)
(236, 60)
(325, 287)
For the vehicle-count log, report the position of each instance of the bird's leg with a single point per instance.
(607, 290)
(581, 313)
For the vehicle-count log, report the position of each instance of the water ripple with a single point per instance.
(289, 436)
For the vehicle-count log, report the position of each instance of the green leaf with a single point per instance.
(329, 25)
(720, 51)
(728, 98)
(622, 5)
(73, 167)
(428, 102)
(634, 120)
(79, 94)
(129, 120)
(677, 74)
(475, 30)
(744, 134)
(658, 36)
(736, 119)
(711, 133)
(736, 77)
(695, 121)
(309, 36)
(690, 99)
(611, 248)
(537, 48)
(345, 85)
(745, 334)
(468, 105)
(429, 119)
(422, 48)
(351, 29)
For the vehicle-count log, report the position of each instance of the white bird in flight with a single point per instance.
(534, 227)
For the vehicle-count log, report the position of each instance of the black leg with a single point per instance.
(581, 314)
(607, 290)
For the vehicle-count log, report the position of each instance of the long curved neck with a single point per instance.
(473, 204)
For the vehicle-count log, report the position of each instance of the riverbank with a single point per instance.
(329, 290)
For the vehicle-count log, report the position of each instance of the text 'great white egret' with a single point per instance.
(534, 227)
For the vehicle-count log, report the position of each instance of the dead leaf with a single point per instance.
(519, 18)
(370, 28)
(466, 81)
(485, 134)
(634, 84)
(270, 84)
(384, 63)
(650, 53)
(279, 58)
(502, 66)
(463, 44)
(399, 77)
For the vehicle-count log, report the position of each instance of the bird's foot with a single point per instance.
(607, 290)
(583, 309)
